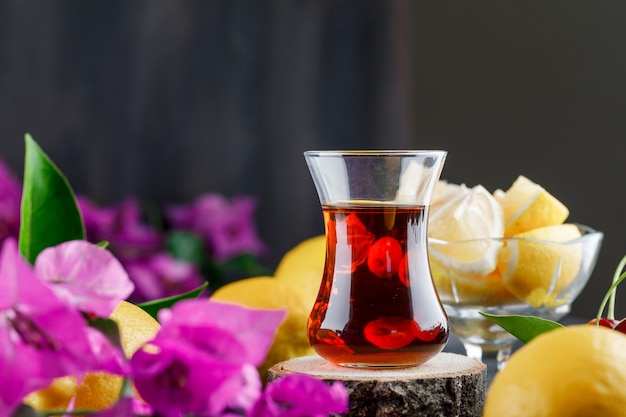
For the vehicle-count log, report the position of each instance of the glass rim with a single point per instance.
(586, 233)
(374, 152)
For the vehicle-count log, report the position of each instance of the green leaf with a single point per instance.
(49, 212)
(153, 307)
(525, 328)
(25, 411)
(247, 265)
(186, 246)
(109, 328)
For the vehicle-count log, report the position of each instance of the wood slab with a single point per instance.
(448, 385)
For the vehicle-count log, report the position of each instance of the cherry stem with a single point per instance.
(610, 294)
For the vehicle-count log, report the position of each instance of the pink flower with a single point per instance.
(121, 226)
(10, 200)
(99, 222)
(203, 359)
(301, 396)
(162, 276)
(85, 275)
(122, 408)
(41, 337)
(226, 226)
(132, 238)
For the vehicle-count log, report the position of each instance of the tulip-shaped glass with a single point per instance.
(377, 305)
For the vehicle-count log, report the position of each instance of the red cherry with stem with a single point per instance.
(389, 332)
(384, 256)
(604, 322)
(621, 326)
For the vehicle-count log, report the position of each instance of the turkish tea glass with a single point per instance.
(377, 306)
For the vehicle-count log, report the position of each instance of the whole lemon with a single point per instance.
(270, 293)
(99, 390)
(302, 267)
(573, 371)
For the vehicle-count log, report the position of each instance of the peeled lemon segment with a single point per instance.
(526, 206)
(538, 266)
(461, 232)
(469, 257)
(459, 288)
(445, 191)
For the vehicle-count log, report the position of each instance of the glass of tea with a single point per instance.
(377, 306)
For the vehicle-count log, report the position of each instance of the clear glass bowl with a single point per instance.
(529, 277)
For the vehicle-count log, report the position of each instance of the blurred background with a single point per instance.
(167, 100)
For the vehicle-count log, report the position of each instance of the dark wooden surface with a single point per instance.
(170, 99)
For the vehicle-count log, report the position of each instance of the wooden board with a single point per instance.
(449, 385)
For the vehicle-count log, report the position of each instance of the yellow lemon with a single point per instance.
(99, 390)
(471, 218)
(56, 396)
(527, 205)
(302, 268)
(537, 265)
(270, 293)
(568, 372)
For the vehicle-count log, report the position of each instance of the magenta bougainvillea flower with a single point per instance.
(100, 222)
(41, 337)
(125, 407)
(159, 260)
(161, 275)
(227, 226)
(133, 238)
(10, 197)
(202, 360)
(85, 275)
(301, 396)
(120, 225)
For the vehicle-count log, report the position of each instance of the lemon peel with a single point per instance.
(566, 372)
(537, 265)
(302, 267)
(527, 205)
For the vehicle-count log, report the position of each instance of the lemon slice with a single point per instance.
(474, 217)
(527, 205)
(539, 264)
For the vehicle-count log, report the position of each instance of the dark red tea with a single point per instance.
(377, 305)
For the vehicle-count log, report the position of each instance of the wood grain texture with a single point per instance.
(449, 385)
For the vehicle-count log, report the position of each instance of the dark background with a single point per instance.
(167, 100)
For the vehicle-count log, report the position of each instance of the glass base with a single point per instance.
(495, 357)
